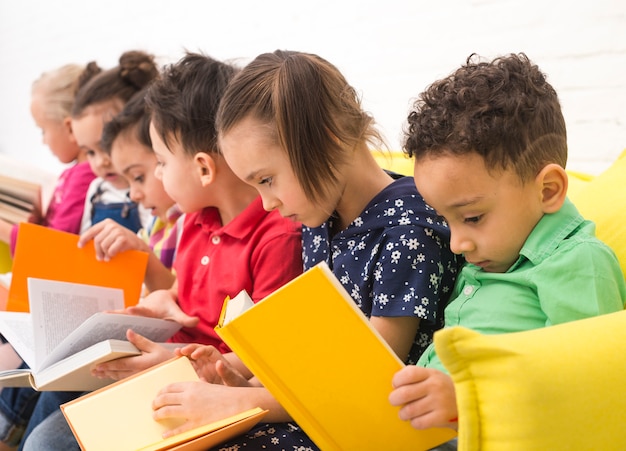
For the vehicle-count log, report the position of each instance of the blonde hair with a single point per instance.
(57, 89)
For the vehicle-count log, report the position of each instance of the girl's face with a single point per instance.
(256, 158)
(88, 130)
(57, 135)
(136, 164)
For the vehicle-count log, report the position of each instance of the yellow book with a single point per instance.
(119, 417)
(317, 353)
(45, 253)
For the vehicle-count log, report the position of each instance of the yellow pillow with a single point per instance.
(603, 200)
(556, 388)
(577, 182)
(394, 161)
(6, 262)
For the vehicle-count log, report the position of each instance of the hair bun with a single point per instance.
(137, 68)
(91, 69)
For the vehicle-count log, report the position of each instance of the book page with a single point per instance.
(17, 328)
(106, 326)
(58, 308)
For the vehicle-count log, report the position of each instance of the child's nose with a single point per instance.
(270, 203)
(460, 243)
(135, 194)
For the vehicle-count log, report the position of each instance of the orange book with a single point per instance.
(45, 253)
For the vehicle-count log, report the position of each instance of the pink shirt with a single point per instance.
(258, 251)
(68, 201)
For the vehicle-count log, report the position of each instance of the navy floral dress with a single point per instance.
(394, 260)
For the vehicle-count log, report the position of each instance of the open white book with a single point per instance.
(68, 332)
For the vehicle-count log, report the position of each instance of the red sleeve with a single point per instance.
(277, 261)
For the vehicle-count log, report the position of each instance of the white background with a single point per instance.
(388, 50)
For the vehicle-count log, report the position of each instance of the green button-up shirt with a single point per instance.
(563, 273)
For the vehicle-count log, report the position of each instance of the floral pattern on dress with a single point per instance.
(394, 259)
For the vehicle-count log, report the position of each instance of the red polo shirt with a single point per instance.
(258, 251)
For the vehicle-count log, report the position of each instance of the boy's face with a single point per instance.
(179, 173)
(490, 214)
(137, 163)
(88, 131)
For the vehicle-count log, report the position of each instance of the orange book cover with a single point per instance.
(45, 253)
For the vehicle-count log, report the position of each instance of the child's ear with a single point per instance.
(206, 167)
(552, 180)
(67, 124)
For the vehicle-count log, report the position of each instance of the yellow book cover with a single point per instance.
(317, 353)
(45, 253)
(119, 417)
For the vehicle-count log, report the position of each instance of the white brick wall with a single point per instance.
(389, 50)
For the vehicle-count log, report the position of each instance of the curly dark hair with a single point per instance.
(504, 110)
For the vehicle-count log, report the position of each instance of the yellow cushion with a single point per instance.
(555, 388)
(577, 182)
(6, 262)
(394, 161)
(603, 200)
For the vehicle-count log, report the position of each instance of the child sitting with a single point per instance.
(52, 97)
(97, 101)
(126, 138)
(489, 143)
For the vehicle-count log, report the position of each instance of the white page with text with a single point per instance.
(17, 328)
(58, 308)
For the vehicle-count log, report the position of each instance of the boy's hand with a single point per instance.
(162, 304)
(151, 354)
(426, 396)
(110, 238)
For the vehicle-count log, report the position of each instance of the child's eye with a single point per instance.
(90, 152)
(139, 179)
(473, 219)
(266, 181)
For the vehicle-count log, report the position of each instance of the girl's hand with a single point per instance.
(211, 365)
(151, 354)
(199, 403)
(110, 238)
(162, 304)
(426, 396)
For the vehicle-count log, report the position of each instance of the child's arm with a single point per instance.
(399, 332)
(111, 238)
(426, 396)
